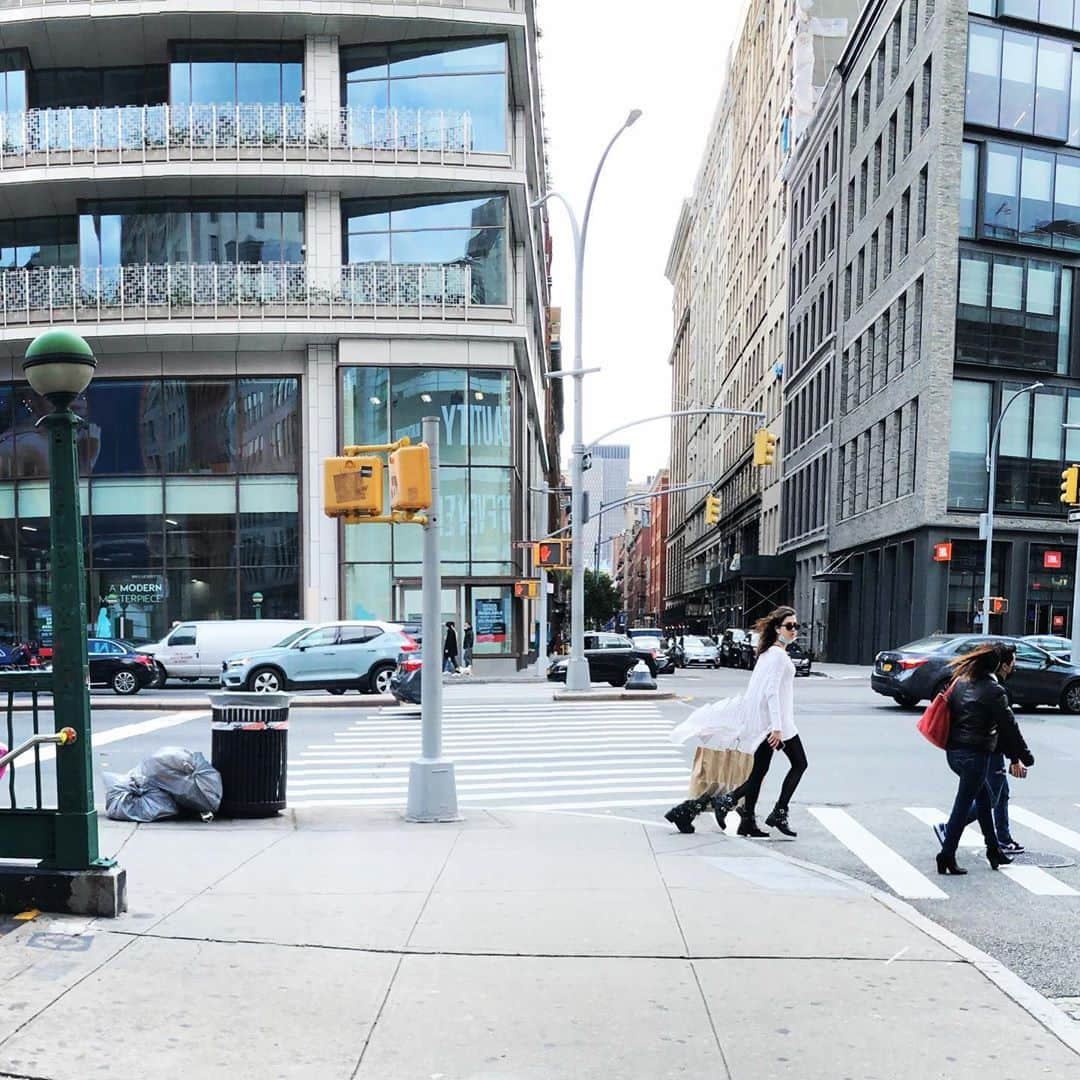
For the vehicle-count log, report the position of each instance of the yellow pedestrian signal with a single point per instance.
(526, 590)
(550, 554)
(352, 485)
(764, 447)
(712, 509)
(410, 478)
(1070, 483)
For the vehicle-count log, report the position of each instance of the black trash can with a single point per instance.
(250, 746)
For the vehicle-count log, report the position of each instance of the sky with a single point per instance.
(600, 59)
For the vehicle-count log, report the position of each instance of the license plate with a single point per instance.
(886, 667)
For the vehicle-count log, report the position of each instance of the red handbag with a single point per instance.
(934, 723)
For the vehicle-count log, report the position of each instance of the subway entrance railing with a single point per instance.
(32, 824)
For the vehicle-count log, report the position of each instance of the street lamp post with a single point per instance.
(991, 468)
(59, 366)
(577, 671)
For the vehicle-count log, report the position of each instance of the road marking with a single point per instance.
(1037, 881)
(896, 956)
(484, 801)
(537, 770)
(929, 815)
(895, 871)
(512, 786)
(1043, 825)
(117, 734)
(406, 755)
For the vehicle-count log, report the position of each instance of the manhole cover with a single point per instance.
(1047, 860)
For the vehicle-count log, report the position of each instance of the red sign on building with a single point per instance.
(942, 552)
(1059, 622)
(1051, 560)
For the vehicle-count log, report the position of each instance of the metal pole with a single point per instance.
(432, 784)
(542, 629)
(1075, 607)
(991, 468)
(76, 825)
(599, 540)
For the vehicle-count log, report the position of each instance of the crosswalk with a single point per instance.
(523, 755)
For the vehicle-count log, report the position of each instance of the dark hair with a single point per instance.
(983, 661)
(766, 629)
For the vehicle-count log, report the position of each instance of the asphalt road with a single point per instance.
(868, 769)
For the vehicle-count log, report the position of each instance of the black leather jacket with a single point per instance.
(980, 718)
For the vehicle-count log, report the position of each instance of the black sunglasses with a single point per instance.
(790, 625)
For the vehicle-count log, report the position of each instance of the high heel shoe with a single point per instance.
(996, 857)
(682, 816)
(946, 864)
(748, 825)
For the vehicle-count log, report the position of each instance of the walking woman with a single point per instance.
(761, 722)
(980, 719)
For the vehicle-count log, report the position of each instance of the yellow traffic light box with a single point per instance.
(764, 447)
(712, 509)
(1070, 485)
(353, 485)
(410, 478)
(526, 590)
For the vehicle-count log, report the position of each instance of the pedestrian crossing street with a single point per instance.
(603, 756)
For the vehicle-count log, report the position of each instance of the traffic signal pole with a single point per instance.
(542, 629)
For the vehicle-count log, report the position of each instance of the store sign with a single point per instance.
(1059, 622)
(1051, 560)
(490, 621)
(136, 589)
(942, 552)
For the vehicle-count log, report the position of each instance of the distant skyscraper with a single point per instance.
(605, 484)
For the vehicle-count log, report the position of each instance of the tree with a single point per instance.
(602, 599)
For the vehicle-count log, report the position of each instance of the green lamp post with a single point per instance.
(59, 366)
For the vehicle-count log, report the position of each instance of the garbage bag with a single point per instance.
(133, 797)
(187, 776)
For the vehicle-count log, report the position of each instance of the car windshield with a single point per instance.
(696, 642)
(643, 642)
(925, 645)
(286, 641)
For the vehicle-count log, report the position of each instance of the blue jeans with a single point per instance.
(972, 767)
(998, 781)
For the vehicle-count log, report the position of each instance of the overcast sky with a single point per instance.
(600, 59)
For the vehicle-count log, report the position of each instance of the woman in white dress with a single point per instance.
(760, 722)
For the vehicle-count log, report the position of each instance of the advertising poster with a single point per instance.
(490, 625)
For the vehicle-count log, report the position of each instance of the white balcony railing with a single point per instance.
(54, 294)
(234, 132)
(479, 5)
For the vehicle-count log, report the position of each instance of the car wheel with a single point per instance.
(124, 682)
(1070, 698)
(905, 701)
(337, 691)
(264, 680)
(379, 679)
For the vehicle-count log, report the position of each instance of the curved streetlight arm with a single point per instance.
(991, 469)
(631, 119)
(668, 415)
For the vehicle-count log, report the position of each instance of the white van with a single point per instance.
(196, 650)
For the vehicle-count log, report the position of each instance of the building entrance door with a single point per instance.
(409, 607)
(1049, 617)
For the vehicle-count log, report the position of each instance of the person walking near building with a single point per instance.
(980, 719)
(467, 639)
(450, 649)
(761, 722)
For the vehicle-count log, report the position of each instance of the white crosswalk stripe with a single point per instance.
(520, 754)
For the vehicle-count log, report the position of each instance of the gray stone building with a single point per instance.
(959, 226)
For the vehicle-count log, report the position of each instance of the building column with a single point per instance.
(322, 237)
(322, 86)
(320, 441)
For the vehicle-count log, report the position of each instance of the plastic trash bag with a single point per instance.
(187, 776)
(133, 797)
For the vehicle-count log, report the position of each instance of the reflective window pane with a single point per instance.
(969, 175)
(367, 592)
(268, 432)
(984, 75)
(1036, 197)
(440, 392)
(1001, 213)
(1052, 89)
(490, 411)
(365, 405)
(128, 426)
(967, 445)
(1018, 82)
(490, 507)
(202, 594)
(197, 420)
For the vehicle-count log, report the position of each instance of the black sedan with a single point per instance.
(919, 671)
(116, 664)
(405, 682)
(610, 657)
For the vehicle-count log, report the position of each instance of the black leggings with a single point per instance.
(750, 788)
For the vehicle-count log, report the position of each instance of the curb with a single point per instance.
(615, 695)
(133, 704)
(1036, 1005)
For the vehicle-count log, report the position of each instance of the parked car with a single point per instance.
(731, 652)
(335, 656)
(405, 681)
(116, 664)
(802, 658)
(691, 650)
(1061, 647)
(651, 639)
(918, 671)
(610, 657)
(196, 650)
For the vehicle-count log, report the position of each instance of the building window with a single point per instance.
(1014, 312)
(430, 232)
(877, 168)
(923, 194)
(874, 255)
(969, 176)
(879, 67)
(95, 88)
(853, 135)
(866, 102)
(905, 223)
(893, 122)
(236, 73)
(847, 292)
(450, 78)
(927, 83)
(895, 36)
(864, 185)
(888, 244)
(860, 277)
(851, 207)
(909, 119)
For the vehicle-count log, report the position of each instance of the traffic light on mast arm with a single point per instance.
(764, 447)
(1070, 483)
(712, 509)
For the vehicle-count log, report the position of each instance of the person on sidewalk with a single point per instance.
(467, 639)
(762, 722)
(979, 712)
(450, 650)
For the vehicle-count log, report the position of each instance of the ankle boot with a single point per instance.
(996, 857)
(722, 806)
(682, 816)
(778, 820)
(748, 825)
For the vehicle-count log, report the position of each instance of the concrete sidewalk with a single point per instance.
(511, 946)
